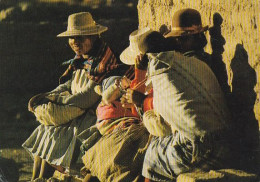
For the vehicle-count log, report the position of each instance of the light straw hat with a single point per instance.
(136, 46)
(186, 22)
(82, 24)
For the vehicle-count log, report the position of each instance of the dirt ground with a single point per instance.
(30, 58)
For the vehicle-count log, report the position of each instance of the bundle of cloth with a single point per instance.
(187, 94)
(188, 98)
(51, 113)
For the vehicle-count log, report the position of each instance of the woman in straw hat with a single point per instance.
(122, 146)
(56, 146)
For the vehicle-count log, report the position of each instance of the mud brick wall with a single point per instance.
(233, 39)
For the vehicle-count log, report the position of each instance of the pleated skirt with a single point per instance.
(59, 145)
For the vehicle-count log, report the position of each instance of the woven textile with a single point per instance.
(110, 125)
(118, 156)
(169, 156)
(53, 114)
(100, 64)
(187, 94)
(155, 124)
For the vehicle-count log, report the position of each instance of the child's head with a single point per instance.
(111, 88)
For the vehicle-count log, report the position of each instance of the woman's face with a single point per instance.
(81, 44)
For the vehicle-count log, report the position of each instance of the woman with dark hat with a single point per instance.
(187, 95)
(56, 146)
(188, 34)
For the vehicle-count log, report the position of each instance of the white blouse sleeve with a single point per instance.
(84, 99)
(62, 87)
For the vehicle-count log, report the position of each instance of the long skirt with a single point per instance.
(59, 145)
(167, 157)
(118, 156)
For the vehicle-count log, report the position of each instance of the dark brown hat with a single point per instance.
(186, 22)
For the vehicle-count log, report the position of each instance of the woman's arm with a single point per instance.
(39, 98)
(62, 87)
(84, 99)
(156, 125)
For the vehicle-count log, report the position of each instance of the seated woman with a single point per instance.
(122, 145)
(116, 140)
(187, 95)
(55, 145)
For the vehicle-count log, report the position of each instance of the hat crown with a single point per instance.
(186, 22)
(80, 24)
(142, 41)
(186, 18)
(80, 21)
(136, 39)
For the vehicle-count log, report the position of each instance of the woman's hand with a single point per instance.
(34, 101)
(125, 103)
(133, 97)
(141, 62)
(138, 60)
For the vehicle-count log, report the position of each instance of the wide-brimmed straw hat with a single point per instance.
(186, 22)
(82, 24)
(136, 47)
(142, 41)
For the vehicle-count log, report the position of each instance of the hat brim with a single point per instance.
(179, 33)
(128, 56)
(98, 29)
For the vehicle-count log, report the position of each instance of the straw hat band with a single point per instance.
(80, 27)
(186, 22)
(136, 46)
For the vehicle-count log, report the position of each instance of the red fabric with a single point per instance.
(148, 101)
(139, 76)
(113, 111)
(124, 123)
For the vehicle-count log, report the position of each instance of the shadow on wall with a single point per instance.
(242, 97)
(217, 42)
(243, 100)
